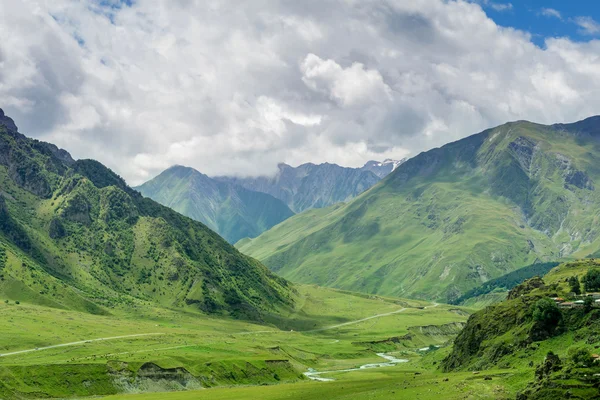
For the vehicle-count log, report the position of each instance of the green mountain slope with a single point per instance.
(73, 235)
(311, 186)
(529, 332)
(229, 209)
(501, 285)
(453, 217)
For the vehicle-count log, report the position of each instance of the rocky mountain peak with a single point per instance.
(7, 122)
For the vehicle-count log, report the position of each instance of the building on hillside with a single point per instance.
(567, 304)
(593, 295)
(558, 299)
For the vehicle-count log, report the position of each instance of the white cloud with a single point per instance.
(236, 87)
(501, 6)
(551, 13)
(588, 25)
(350, 86)
(495, 5)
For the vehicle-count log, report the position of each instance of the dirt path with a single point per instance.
(358, 321)
(77, 343)
(341, 325)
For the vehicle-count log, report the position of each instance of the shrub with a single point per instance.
(580, 356)
(575, 285)
(591, 280)
(546, 312)
(588, 304)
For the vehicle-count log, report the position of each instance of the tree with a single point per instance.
(588, 304)
(591, 280)
(580, 356)
(575, 285)
(546, 312)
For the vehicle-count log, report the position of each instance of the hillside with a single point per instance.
(229, 209)
(529, 332)
(454, 217)
(501, 285)
(313, 186)
(73, 235)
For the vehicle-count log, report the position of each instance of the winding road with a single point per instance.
(340, 325)
(77, 343)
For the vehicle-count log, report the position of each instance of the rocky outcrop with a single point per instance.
(523, 149)
(526, 287)
(7, 122)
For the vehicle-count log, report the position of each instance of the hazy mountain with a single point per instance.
(383, 168)
(314, 186)
(229, 209)
(453, 217)
(74, 235)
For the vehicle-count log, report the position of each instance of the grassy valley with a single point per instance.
(149, 348)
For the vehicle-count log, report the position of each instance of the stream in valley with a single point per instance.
(391, 361)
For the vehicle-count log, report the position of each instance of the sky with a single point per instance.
(234, 88)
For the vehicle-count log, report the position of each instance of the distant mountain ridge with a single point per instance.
(238, 208)
(453, 217)
(229, 209)
(383, 168)
(316, 186)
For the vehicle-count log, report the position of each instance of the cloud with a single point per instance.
(236, 87)
(587, 25)
(352, 86)
(551, 13)
(500, 7)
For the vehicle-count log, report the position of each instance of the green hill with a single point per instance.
(529, 331)
(73, 235)
(229, 209)
(454, 217)
(504, 283)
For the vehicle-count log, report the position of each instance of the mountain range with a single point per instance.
(453, 217)
(238, 208)
(229, 209)
(73, 235)
(311, 186)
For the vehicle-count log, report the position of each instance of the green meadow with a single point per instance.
(157, 349)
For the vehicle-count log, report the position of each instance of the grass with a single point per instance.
(217, 351)
(389, 383)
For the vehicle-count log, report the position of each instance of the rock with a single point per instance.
(526, 287)
(7, 122)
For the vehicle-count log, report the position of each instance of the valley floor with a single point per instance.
(58, 353)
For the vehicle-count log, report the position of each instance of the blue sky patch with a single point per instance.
(578, 20)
